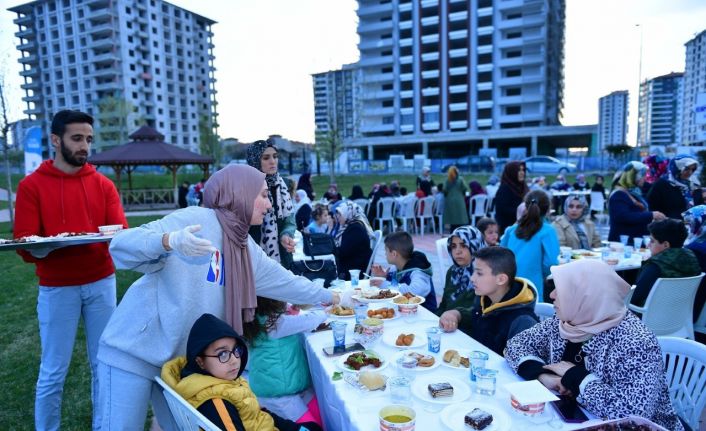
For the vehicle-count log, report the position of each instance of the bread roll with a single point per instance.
(449, 355)
(371, 380)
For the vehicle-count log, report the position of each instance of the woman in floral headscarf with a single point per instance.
(276, 234)
(628, 211)
(352, 239)
(696, 218)
(462, 245)
(674, 193)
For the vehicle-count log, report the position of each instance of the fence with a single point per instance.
(148, 198)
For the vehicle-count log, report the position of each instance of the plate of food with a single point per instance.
(404, 339)
(377, 295)
(475, 416)
(425, 361)
(440, 389)
(384, 313)
(456, 359)
(340, 311)
(368, 360)
(408, 299)
(584, 254)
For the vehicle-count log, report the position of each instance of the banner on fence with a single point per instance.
(33, 149)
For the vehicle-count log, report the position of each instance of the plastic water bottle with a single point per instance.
(393, 276)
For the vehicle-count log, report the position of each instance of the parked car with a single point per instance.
(548, 164)
(472, 164)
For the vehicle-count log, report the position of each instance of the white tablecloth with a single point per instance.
(344, 407)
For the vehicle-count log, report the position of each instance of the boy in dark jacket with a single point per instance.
(504, 305)
(413, 269)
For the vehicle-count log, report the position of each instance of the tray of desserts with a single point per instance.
(64, 239)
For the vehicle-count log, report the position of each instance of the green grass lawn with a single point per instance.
(20, 349)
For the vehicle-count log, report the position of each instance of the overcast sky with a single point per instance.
(266, 51)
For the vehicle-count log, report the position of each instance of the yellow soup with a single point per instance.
(397, 419)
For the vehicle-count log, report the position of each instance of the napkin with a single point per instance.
(530, 392)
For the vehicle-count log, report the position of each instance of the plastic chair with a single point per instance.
(374, 245)
(598, 205)
(185, 415)
(439, 217)
(425, 210)
(363, 204)
(544, 310)
(408, 210)
(669, 308)
(443, 253)
(700, 325)
(685, 370)
(478, 207)
(386, 212)
(628, 297)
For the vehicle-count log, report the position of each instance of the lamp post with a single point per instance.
(639, 90)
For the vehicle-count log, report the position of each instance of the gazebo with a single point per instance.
(148, 148)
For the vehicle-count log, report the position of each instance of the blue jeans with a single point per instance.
(124, 398)
(59, 310)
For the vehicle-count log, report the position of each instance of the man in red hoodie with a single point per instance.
(68, 195)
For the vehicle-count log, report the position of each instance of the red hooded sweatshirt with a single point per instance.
(50, 202)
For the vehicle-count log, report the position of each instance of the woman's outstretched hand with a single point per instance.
(186, 243)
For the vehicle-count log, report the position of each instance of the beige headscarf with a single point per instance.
(591, 298)
(231, 193)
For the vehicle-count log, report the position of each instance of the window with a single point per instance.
(511, 73)
(513, 110)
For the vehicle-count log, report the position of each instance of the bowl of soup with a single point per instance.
(397, 417)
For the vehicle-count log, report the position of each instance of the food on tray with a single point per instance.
(444, 389)
(24, 239)
(382, 294)
(404, 340)
(422, 360)
(382, 313)
(407, 298)
(371, 380)
(359, 360)
(478, 419)
(612, 261)
(340, 310)
(453, 358)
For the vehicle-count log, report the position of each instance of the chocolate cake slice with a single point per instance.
(437, 390)
(478, 419)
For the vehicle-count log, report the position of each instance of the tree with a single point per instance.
(209, 144)
(116, 117)
(4, 131)
(329, 145)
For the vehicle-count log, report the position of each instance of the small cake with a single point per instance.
(478, 419)
(444, 389)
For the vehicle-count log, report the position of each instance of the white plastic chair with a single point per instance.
(374, 245)
(386, 212)
(685, 369)
(363, 204)
(478, 207)
(439, 217)
(408, 210)
(544, 310)
(425, 211)
(185, 415)
(669, 308)
(442, 252)
(598, 205)
(628, 297)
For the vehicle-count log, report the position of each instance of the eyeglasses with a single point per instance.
(224, 355)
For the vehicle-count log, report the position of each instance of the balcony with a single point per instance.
(373, 10)
(376, 78)
(406, 94)
(98, 3)
(30, 85)
(406, 127)
(485, 49)
(26, 34)
(461, 70)
(103, 29)
(404, 25)
(406, 59)
(430, 73)
(105, 58)
(431, 38)
(113, 85)
(372, 126)
(33, 111)
(375, 44)
(458, 16)
(30, 59)
(462, 88)
(99, 15)
(27, 46)
(430, 20)
(485, 67)
(406, 42)
(430, 91)
(375, 61)
(372, 27)
(481, 86)
(460, 52)
(23, 20)
(458, 34)
(105, 72)
(483, 31)
(406, 76)
(461, 106)
(103, 43)
(431, 125)
(484, 122)
(484, 104)
(406, 7)
(32, 71)
(430, 56)
(462, 124)
(486, 11)
(35, 98)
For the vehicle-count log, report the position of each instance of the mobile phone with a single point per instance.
(569, 410)
(337, 351)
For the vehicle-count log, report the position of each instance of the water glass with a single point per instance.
(406, 365)
(605, 253)
(434, 339)
(361, 312)
(638, 243)
(478, 360)
(628, 252)
(339, 333)
(565, 254)
(485, 381)
(400, 390)
(624, 239)
(355, 276)
(646, 239)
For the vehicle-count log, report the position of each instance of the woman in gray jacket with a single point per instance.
(195, 261)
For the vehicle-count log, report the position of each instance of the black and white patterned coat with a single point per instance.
(627, 373)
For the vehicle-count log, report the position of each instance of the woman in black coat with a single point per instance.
(352, 239)
(510, 194)
(675, 193)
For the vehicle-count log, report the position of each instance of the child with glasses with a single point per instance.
(209, 378)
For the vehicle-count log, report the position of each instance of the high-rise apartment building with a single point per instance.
(613, 119)
(126, 62)
(440, 66)
(694, 109)
(336, 102)
(659, 116)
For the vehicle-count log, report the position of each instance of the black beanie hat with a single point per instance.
(207, 329)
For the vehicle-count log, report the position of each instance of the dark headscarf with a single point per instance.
(676, 167)
(304, 183)
(231, 193)
(519, 188)
(207, 329)
(476, 188)
(357, 193)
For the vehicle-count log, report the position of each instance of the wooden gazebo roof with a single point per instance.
(148, 148)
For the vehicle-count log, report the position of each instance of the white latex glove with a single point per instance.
(186, 243)
(346, 300)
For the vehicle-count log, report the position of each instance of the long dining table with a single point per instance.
(346, 407)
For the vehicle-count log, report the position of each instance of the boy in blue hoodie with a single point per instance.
(414, 273)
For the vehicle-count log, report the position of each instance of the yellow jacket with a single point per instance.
(199, 388)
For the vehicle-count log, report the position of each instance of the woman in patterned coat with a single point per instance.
(276, 234)
(593, 350)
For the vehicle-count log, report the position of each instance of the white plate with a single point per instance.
(453, 417)
(359, 297)
(465, 353)
(347, 316)
(422, 299)
(390, 336)
(421, 391)
(342, 360)
(421, 352)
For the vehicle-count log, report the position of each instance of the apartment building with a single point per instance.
(336, 102)
(694, 107)
(613, 119)
(659, 116)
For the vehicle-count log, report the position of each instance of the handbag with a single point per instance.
(318, 244)
(313, 269)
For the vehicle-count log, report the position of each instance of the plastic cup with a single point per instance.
(628, 252)
(478, 360)
(638, 243)
(485, 381)
(434, 339)
(646, 240)
(361, 312)
(605, 253)
(624, 239)
(338, 329)
(406, 365)
(355, 276)
(400, 389)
